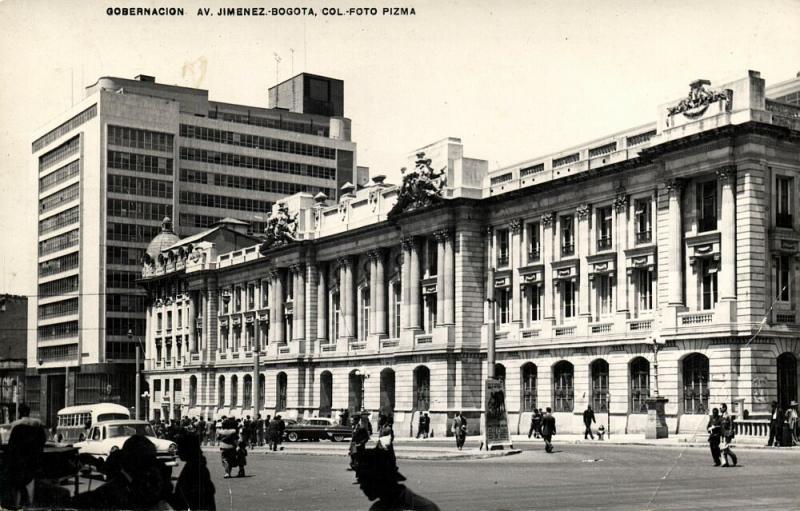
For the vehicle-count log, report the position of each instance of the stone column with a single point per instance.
(514, 264)
(192, 319)
(342, 264)
(674, 188)
(273, 308)
(373, 288)
(280, 314)
(440, 237)
(621, 205)
(311, 302)
(322, 303)
(414, 288)
(449, 280)
(379, 305)
(727, 227)
(299, 315)
(350, 299)
(548, 224)
(583, 249)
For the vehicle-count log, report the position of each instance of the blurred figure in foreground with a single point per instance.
(377, 475)
(194, 489)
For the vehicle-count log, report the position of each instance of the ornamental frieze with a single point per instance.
(699, 98)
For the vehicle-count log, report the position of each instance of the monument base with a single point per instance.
(656, 420)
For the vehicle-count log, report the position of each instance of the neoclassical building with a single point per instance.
(663, 259)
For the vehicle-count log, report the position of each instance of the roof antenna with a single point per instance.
(277, 65)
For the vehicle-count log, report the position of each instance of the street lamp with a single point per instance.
(137, 388)
(146, 398)
(362, 373)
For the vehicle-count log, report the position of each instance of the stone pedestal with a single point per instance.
(656, 420)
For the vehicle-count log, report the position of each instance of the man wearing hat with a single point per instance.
(377, 475)
(792, 423)
(775, 425)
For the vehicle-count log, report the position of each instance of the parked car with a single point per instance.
(317, 428)
(107, 437)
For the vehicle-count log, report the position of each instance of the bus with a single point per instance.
(72, 420)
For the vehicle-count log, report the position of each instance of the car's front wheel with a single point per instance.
(292, 437)
(337, 438)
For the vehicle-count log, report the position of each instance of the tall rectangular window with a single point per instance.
(397, 303)
(644, 289)
(605, 221)
(503, 297)
(567, 223)
(782, 278)
(251, 296)
(180, 318)
(604, 289)
(336, 315)
(708, 284)
(431, 257)
(707, 206)
(237, 296)
(534, 241)
(365, 307)
(502, 248)
(159, 321)
(567, 299)
(264, 294)
(643, 220)
(783, 208)
(169, 320)
(534, 299)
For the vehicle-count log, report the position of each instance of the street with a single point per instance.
(574, 477)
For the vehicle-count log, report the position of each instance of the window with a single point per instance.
(193, 390)
(251, 296)
(600, 385)
(567, 299)
(234, 390)
(528, 387)
(429, 316)
(248, 391)
(363, 330)
(169, 320)
(643, 282)
(643, 220)
(503, 298)
(534, 241)
(707, 206)
(502, 247)
(280, 389)
(431, 257)
(563, 389)
(695, 384)
(422, 388)
(605, 220)
(180, 318)
(783, 212)
(604, 288)
(782, 277)
(237, 297)
(533, 296)
(397, 303)
(708, 284)
(567, 223)
(221, 391)
(264, 294)
(640, 385)
(336, 316)
(159, 321)
(225, 295)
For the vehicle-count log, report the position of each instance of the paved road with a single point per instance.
(574, 477)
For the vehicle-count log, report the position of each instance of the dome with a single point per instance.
(165, 239)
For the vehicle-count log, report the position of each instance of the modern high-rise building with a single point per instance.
(110, 169)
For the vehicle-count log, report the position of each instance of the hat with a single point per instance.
(793, 403)
(379, 463)
(364, 413)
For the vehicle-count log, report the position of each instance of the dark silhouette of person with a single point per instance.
(714, 428)
(378, 477)
(20, 486)
(588, 419)
(228, 440)
(140, 482)
(194, 489)
(548, 429)
(775, 425)
(275, 432)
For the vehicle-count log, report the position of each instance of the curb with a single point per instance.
(399, 454)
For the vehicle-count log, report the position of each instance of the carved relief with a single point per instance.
(699, 98)
(582, 211)
(548, 219)
(727, 173)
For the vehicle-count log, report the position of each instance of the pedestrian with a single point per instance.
(792, 424)
(194, 488)
(241, 457)
(714, 428)
(344, 417)
(588, 419)
(548, 429)
(421, 425)
(228, 437)
(536, 424)
(275, 433)
(260, 430)
(246, 430)
(728, 432)
(378, 477)
(460, 430)
(775, 425)
(211, 438)
(362, 431)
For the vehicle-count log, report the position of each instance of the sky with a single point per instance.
(514, 79)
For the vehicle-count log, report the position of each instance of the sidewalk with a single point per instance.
(408, 452)
(679, 440)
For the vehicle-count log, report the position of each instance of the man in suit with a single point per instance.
(548, 429)
(378, 477)
(775, 425)
(588, 419)
(714, 428)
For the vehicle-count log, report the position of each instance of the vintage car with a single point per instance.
(317, 428)
(106, 437)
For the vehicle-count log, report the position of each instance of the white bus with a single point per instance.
(72, 420)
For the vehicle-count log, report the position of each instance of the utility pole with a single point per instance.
(138, 385)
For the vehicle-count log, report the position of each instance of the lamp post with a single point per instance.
(656, 419)
(138, 386)
(146, 398)
(361, 372)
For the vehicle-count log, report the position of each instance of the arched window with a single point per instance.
(563, 388)
(193, 390)
(422, 388)
(787, 379)
(221, 391)
(640, 384)
(528, 387)
(695, 384)
(234, 390)
(600, 385)
(500, 372)
(355, 392)
(387, 392)
(325, 394)
(262, 391)
(248, 391)
(280, 389)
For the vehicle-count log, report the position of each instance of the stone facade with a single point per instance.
(661, 260)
